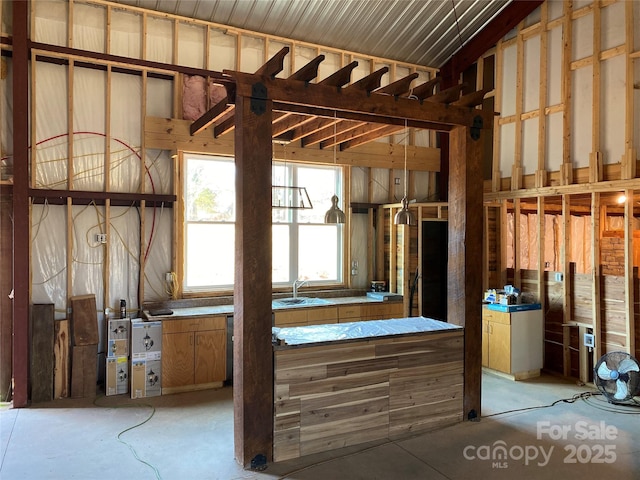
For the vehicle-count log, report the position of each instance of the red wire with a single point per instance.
(121, 142)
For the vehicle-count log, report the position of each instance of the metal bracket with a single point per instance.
(476, 127)
(258, 98)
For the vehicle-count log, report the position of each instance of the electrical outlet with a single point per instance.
(396, 180)
(589, 340)
(168, 277)
(558, 277)
(101, 237)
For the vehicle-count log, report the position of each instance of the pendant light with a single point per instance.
(404, 215)
(334, 214)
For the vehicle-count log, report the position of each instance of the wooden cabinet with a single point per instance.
(193, 353)
(512, 342)
(302, 316)
(382, 310)
(353, 312)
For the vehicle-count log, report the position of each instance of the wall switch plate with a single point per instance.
(589, 341)
(101, 237)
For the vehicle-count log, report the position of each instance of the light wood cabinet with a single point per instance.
(512, 342)
(302, 316)
(193, 354)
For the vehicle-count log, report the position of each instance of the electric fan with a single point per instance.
(617, 376)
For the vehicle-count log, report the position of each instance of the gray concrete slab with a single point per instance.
(190, 436)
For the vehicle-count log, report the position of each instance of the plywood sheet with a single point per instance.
(62, 359)
(84, 320)
(42, 364)
(84, 371)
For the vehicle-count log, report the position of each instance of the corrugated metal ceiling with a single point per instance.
(423, 32)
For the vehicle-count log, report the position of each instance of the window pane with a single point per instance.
(210, 254)
(318, 255)
(280, 254)
(321, 186)
(210, 190)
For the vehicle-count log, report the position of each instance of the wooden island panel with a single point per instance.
(335, 395)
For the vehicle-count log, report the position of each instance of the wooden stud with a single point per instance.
(420, 260)
(567, 39)
(504, 242)
(629, 300)
(380, 214)
(70, 163)
(541, 177)
(70, 249)
(143, 36)
(517, 264)
(177, 254)
(393, 257)
(495, 168)
(33, 139)
(595, 167)
(348, 226)
(597, 67)
(516, 175)
(630, 127)
(107, 136)
(565, 255)
(541, 289)
(598, 218)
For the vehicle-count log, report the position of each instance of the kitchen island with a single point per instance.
(344, 384)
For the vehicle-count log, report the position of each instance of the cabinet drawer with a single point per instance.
(496, 317)
(194, 324)
(290, 318)
(316, 315)
(349, 312)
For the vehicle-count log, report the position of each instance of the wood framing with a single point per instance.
(464, 279)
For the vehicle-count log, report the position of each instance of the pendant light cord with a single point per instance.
(405, 157)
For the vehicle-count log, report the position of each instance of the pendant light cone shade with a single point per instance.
(334, 214)
(404, 215)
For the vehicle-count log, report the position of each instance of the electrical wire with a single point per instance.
(131, 447)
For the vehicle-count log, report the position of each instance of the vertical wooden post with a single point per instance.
(596, 213)
(464, 279)
(565, 255)
(541, 258)
(252, 350)
(628, 275)
(21, 218)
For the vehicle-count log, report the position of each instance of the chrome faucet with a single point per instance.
(296, 285)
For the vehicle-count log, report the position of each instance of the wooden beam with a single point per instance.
(370, 82)
(309, 71)
(252, 350)
(341, 77)
(464, 278)
(21, 213)
(399, 87)
(425, 90)
(350, 100)
(274, 65)
(210, 116)
(447, 96)
(565, 256)
(597, 219)
(369, 136)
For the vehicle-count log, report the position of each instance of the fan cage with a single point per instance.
(609, 387)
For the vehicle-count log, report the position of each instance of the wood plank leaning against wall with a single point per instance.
(567, 134)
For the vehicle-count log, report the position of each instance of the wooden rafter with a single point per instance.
(314, 124)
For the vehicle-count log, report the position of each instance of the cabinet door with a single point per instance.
(210, 356)
(177, 359)
(500, 347)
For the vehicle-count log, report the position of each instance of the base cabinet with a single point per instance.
(193, 354)
(303, 316)
(512, 343)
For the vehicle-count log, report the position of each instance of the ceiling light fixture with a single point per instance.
(404, 215)
(334, 214)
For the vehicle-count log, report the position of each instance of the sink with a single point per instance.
(300, 301)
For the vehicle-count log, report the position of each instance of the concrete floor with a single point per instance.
(190, 436)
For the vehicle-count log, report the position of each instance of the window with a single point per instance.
(303, 245)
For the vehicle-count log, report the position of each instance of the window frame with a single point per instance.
(182, 223)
